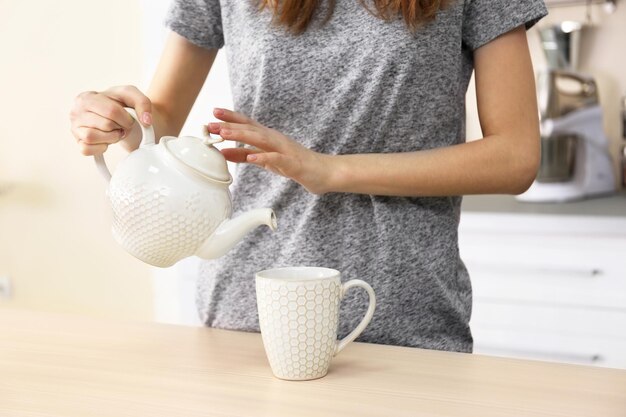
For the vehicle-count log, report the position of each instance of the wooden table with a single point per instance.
(61, 365)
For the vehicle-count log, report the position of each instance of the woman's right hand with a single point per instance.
(99, 118)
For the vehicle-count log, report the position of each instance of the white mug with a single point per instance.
(298, 315)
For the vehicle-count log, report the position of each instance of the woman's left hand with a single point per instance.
(273, 151)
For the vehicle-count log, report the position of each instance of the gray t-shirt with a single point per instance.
(354, 85)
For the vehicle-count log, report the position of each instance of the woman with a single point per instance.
(353, 117)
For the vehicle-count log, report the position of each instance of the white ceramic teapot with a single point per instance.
(171, 200)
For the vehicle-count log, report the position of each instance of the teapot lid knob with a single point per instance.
(199, 155)
(208, 139)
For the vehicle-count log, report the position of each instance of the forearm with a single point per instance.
(505, 161)
(487, 166)
(181, 72)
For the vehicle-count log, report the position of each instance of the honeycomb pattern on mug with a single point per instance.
(299, 326)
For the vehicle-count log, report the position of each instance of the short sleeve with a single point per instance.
(485, 20)
(199, 21)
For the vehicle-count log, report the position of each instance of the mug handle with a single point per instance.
(147, 139)
(341, 344)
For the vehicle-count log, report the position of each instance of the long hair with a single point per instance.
(297, 14)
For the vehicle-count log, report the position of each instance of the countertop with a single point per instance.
(62, 365)
(614, 205)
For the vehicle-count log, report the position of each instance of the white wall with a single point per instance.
(55, 240)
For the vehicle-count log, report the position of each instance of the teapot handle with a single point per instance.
(147, 139)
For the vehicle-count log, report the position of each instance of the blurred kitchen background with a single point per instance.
(549, 278)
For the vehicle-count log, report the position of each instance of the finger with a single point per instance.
(216, 127)
(104, 106)
(251, 137)
(91, 136)
(238, 154)
(234, 117)
(131, 96)
(95, 121)
(273, 161)
(89, 150)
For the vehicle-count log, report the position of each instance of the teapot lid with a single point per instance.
(199, 155)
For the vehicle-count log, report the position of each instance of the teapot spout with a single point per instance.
(230, 232)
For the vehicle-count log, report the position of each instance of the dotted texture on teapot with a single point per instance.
(299, 326)
(149, 231)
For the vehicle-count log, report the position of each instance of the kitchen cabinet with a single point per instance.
(546, 286)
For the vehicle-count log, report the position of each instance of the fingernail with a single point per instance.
(146, 118)
(214, 126)
(218, 112)
(251, 158)
(224, 132)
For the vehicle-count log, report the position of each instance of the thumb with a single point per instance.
(131, 96)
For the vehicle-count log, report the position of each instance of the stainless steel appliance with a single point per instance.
(575, 160)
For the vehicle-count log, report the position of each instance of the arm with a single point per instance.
(178, 79)
(504, 161)
(99, 119)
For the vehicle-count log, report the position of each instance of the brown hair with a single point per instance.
(297, 14)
